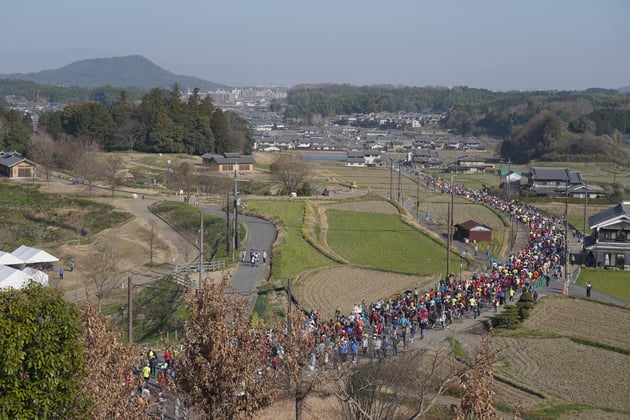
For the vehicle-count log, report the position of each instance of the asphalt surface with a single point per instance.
(260, 236)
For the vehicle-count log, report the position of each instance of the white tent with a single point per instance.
(37, 275)
(12, 278)
(33, 255)
(9, 259)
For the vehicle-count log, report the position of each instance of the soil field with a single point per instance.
(566, 370)
(342, 287)
(582, 318)
(562, 369)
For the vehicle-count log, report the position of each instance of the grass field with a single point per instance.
(292, 253)
(611, 282)
(383, 241)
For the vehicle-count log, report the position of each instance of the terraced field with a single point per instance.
(564, 370)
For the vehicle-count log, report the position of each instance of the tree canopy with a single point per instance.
(42, 367)
(160, 123)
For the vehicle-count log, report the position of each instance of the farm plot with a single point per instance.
(292, 253)
(376, 206)
(582, 318)
(344, 286)
(383, 241)
(566, 370)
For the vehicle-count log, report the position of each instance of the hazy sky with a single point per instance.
(493, 44)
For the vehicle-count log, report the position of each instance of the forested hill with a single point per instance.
(550, 125)
(129, 71)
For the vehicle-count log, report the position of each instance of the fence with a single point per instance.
(183, 273)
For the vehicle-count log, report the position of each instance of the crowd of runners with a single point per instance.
(379, 329)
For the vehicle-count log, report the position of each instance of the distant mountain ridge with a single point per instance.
(131, 70)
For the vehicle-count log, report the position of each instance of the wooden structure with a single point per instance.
(228, 162)
(14, 165)
(471, 231)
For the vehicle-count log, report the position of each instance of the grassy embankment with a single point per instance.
(30, 217)
(611, 282)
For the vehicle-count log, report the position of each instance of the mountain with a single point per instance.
(625, 89)
(132, 70)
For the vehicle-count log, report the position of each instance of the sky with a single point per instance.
(493, 44)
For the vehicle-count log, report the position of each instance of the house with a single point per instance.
(363, 158)
(609, 243)
(511, 183)
(469, 165)
(228, 162)
(471, 231)
(553, 181)
(426, 158)
(14, 165)
(582, 191)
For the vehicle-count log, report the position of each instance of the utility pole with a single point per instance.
(227, 223)
(418, 199)
(235, 218)
(201, 250)
(399, 181)
(566, 233)
(129, 310)
(584, 231)
(449, 230)
(391, 179)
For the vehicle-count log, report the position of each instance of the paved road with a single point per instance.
(260, 236)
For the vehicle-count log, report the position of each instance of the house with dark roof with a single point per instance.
(469, 165)
(228, 162)
(14, 165)
(609, 243)
(554, 182)
(426, 157)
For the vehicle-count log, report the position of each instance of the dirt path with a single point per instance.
(131, 239)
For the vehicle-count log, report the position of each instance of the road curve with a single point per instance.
(260, 236)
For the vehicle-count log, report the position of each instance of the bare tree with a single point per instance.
(104, 271)
(43, 152)
(78, 223)
(130, 132)
(85, 159)
(222, 365)
(291, 170)
(410, 385)
(298, 347)
(111, 168)
(187, 248)
(184, 177)
(109, 363)
(476, 382)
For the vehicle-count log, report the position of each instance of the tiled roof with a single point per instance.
(228, 158)
(619, 211)
(10, 159)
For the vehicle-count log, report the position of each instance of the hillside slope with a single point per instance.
(132, 70)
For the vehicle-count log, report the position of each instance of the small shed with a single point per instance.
(14, 165)
(471, 231)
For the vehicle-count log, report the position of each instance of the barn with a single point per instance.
(471, 231)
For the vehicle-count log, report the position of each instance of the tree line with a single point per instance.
(161, 122)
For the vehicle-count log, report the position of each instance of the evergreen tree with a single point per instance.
(42, 366)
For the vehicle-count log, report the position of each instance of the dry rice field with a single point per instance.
(344, 286)
(564, 370)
